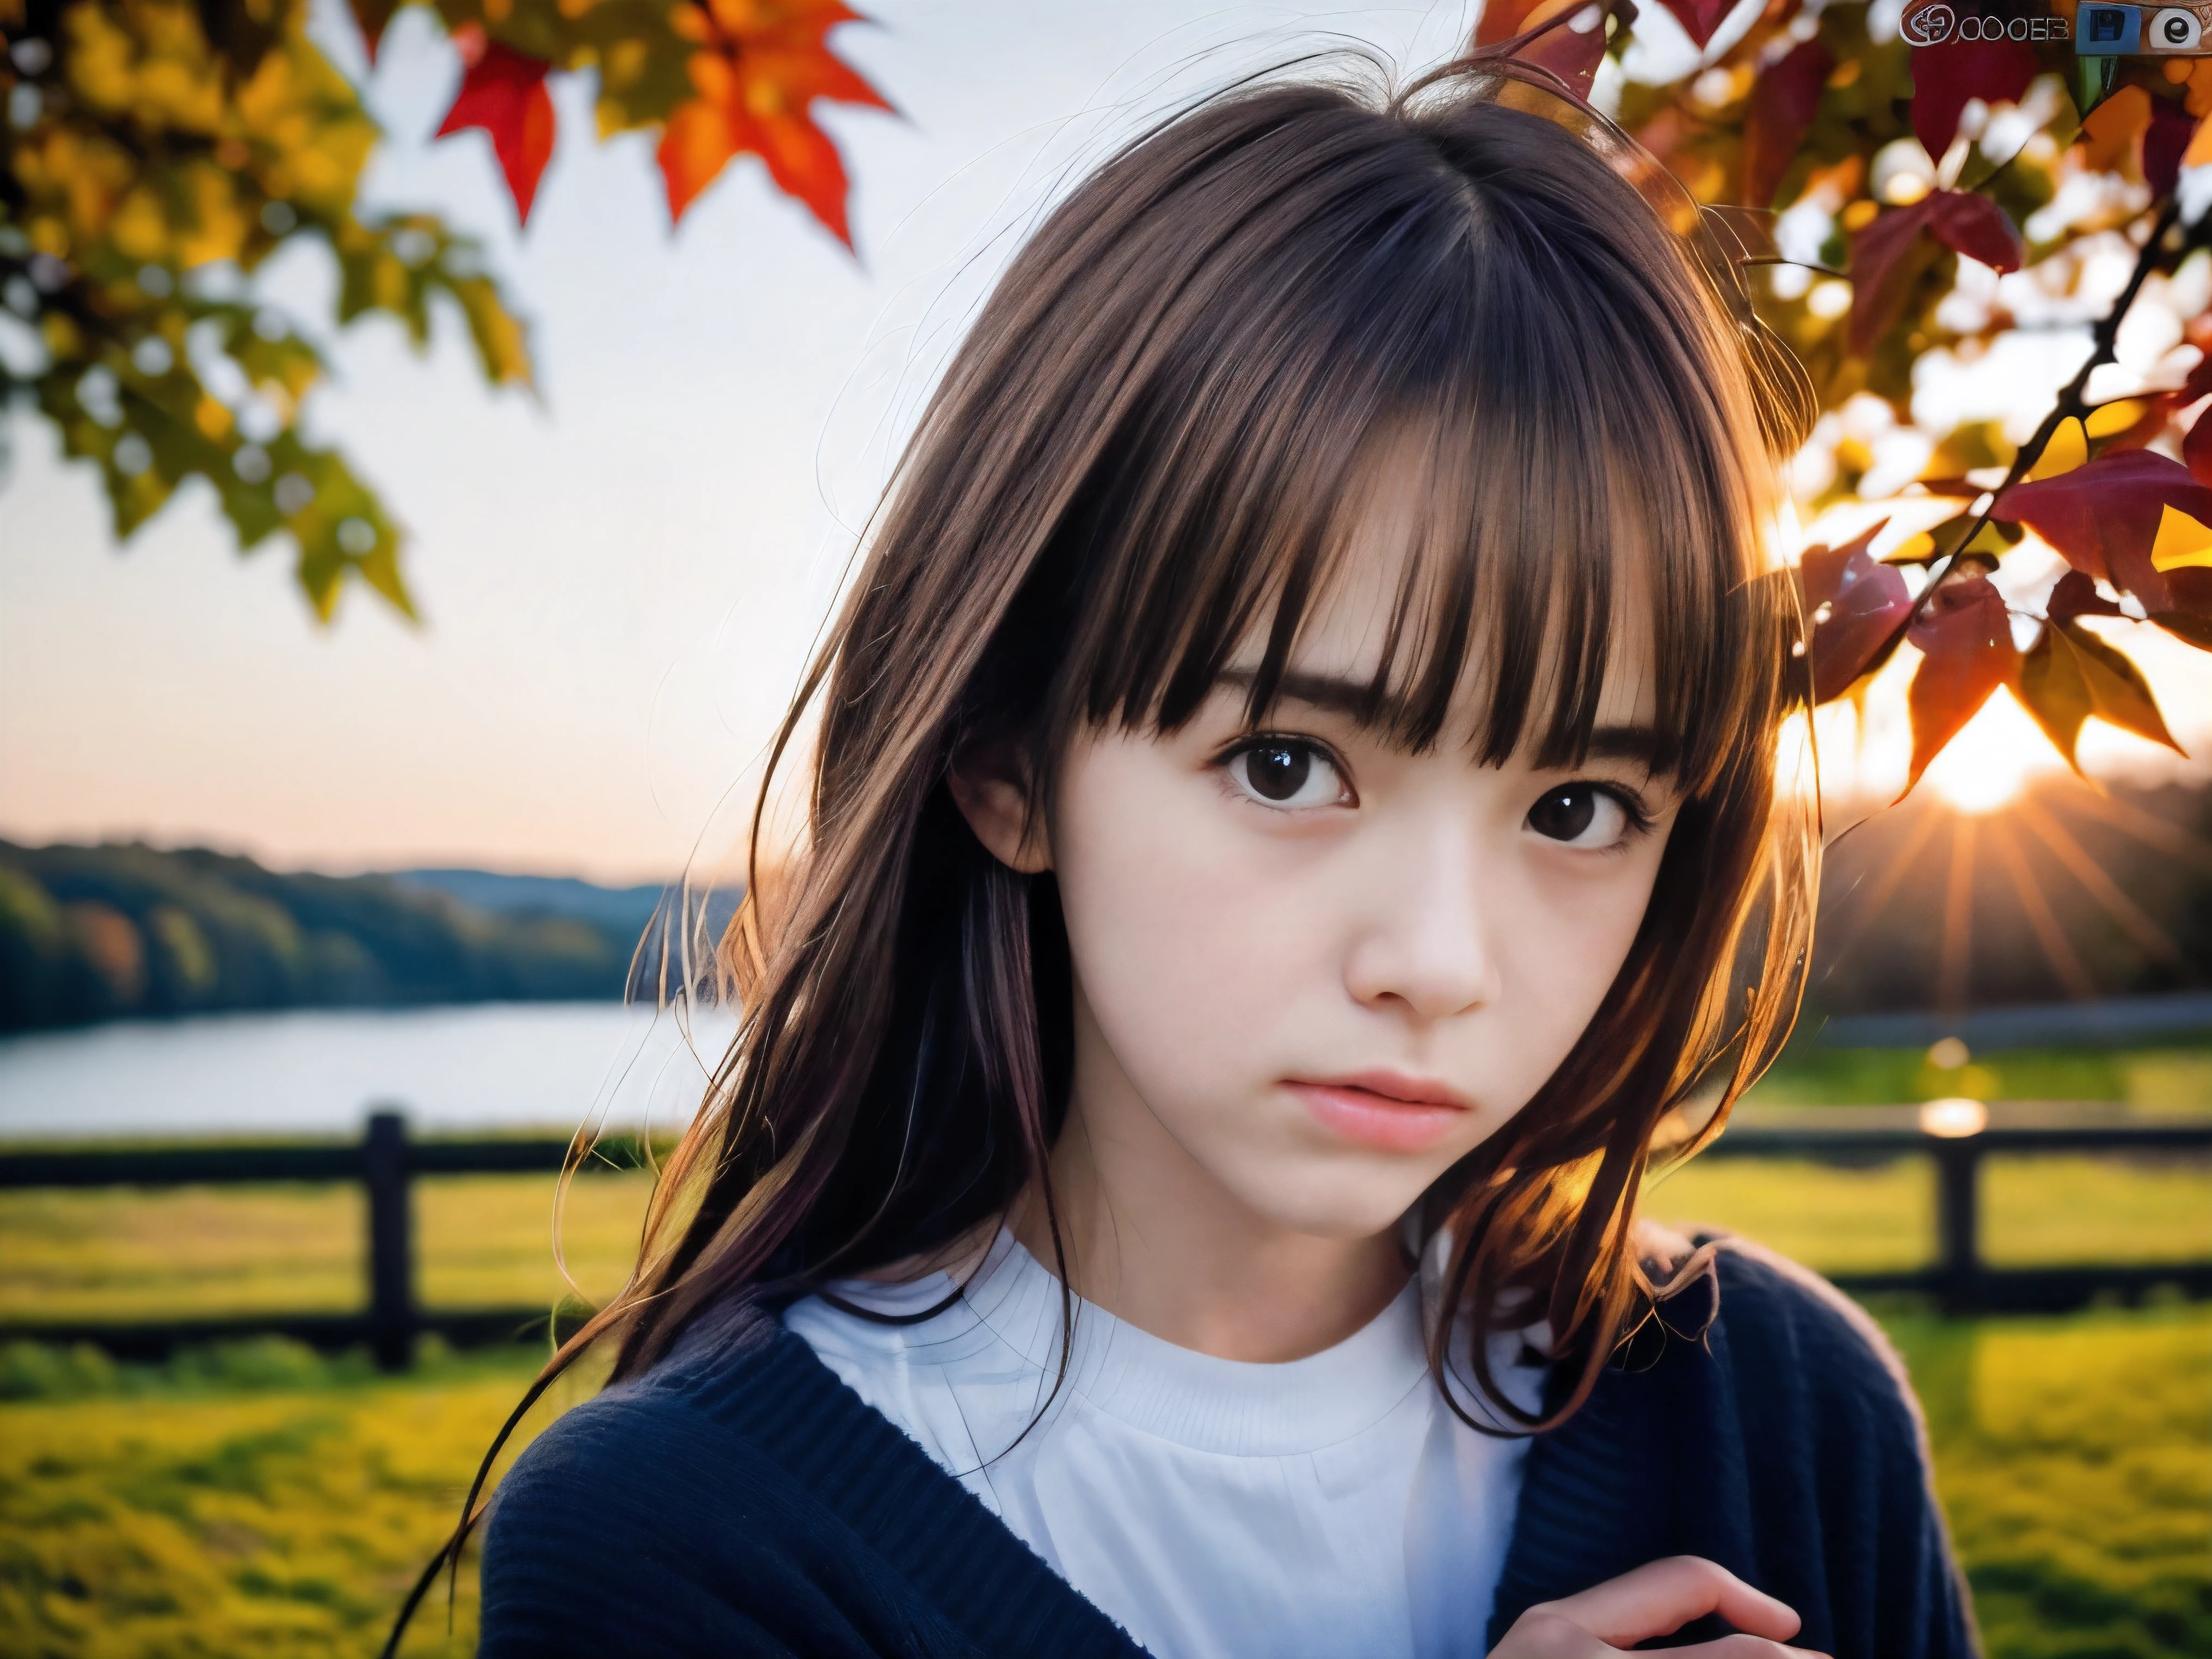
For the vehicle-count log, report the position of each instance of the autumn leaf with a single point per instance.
(1782, 102)
(1698, 18)
(1963, 220)
(1965, 639)
(2196, 451)
(503, 93)
(1878, 272)
(2070, 674)
(1970, 224)
(759, 67)
(1858, 605)
(2112, 132)
(2077, 596)
(2105, 516)
(2165, 141)
(1945, 77)
(2187, 612)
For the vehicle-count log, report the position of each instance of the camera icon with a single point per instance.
(2172, 28)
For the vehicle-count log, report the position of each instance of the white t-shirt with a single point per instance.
(1216, 1509)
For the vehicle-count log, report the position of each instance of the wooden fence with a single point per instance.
(387, 1160)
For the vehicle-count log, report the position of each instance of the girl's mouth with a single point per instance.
(1383, 1109)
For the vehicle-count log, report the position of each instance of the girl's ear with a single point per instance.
(991, 787)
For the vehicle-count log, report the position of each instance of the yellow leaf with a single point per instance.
(2181, 541)
(2067, 448)
(2114, 417)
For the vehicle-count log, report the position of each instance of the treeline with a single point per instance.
(96, 933)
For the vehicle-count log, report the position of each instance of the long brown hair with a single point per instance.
(1137, 461)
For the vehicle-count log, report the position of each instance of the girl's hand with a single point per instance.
(1657, 1598)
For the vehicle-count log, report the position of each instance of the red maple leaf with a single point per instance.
(1781, 110)
(1965, 638)
(2163, 140)
(1698, 18)
(2104, 516)
(1945, 77)
(1858, 604)
(503, 92)
(760, 66)
(1964, 221)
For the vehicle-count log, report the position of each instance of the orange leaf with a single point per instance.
(2104, 516)
(2071, 674)
(2112, 131)
(1965, 639)
(503, 92)
(1783, 103)
(1944, 76)
(761, 66)
(1858, 605)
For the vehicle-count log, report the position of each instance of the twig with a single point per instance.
(2070, 405)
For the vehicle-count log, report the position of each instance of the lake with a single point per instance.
(317, 1071)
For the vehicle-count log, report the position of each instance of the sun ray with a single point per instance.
(1954, 972)
(2148, 828)
(2048, 934)
(2123, 909)
(1901, 864)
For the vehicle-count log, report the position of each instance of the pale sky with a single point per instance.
(619, 584)
(618, 587)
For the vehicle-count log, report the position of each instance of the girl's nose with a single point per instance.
(1425, 944)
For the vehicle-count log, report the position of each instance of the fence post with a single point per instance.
(391, 1243)
(1958, 1222)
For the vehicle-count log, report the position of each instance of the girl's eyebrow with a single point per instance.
(1338, 694)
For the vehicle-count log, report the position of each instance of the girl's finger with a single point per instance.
(1663, 1595)
(1743, 1647)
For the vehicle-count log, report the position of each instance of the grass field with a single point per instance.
(256, 1500)
(260, 1502)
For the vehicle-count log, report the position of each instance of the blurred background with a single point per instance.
(263, 875)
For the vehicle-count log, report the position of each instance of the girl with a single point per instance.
(1293, 812)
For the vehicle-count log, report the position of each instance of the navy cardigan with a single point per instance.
(740, 1500)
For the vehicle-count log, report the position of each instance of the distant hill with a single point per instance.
(99, 932)
(627, 908)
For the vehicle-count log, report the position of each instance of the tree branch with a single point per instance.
(2070, 404)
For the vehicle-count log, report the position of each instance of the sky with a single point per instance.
(620, 577)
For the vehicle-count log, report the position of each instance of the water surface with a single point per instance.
(497, 1065)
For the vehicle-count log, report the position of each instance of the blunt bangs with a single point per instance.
(1457, 308)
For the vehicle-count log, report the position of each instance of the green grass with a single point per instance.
(2034, 1210)
(2150, 1079)
(254, 1499)
(197, 1251)
(193, 1513)
(257, 1501)
(2074, 1458)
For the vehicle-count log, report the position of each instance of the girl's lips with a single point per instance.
(1375, 1113)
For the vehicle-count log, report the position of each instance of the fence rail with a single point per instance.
(387, 1160)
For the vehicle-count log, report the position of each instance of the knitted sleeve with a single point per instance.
(1777, 1437)
(636, 1525)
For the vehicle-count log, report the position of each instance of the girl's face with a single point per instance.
(1319, 969)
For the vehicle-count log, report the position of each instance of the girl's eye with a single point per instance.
(1582, 815)
(1279, 773)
